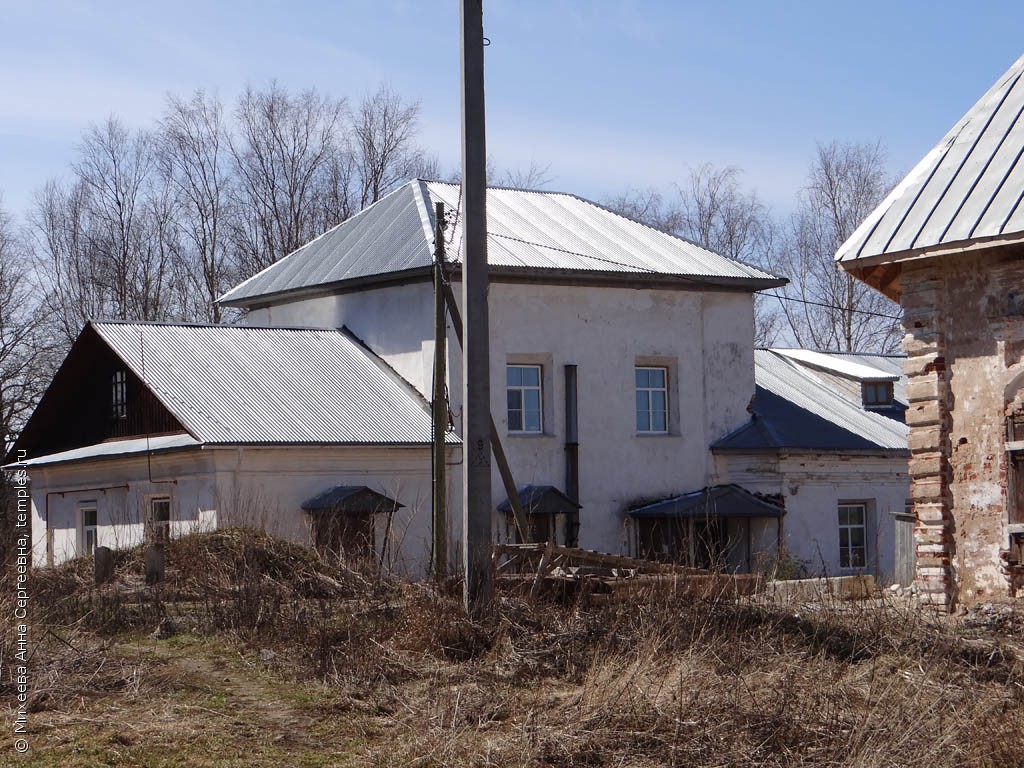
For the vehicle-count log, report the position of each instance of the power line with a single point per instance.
(834, 306)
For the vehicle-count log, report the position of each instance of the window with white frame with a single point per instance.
(523, 385)
(651, 400)
(160, 518)
(853, 535)
(87, 528)
(119, 395)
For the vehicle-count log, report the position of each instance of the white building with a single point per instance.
(647, 337)
(827, 439)
(151, 430)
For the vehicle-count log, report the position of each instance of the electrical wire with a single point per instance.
(834, 306)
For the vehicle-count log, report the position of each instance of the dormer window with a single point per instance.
(119, 395)
(877, 394)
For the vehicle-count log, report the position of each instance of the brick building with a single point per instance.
(948, 244)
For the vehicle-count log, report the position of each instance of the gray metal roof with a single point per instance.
(156, 444)
(351, 499)
(526, 230)
(798, 407)
(239, 384)
(969, 187)
(540, 500)
(717, 501)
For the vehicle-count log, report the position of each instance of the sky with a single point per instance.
(612, 95)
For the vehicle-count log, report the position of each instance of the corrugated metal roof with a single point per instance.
(526, 230)
(796, 408)
(351, 499)
(392, 235)
(540, 500)
(717, 501)
(112, 448)
(969, 186)
(844, 365)
(239, 384)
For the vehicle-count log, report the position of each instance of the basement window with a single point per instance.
(119, 395)
(877, 394)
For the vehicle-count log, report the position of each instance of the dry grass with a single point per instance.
(287, 659)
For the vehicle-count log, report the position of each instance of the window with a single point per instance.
(119, 395)
(160, 518)
(853, 536)
(87, 529)
(877, 394)
(652, 400)
(524, 398)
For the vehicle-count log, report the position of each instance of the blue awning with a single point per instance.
(541, 500)
(715, 502)
(350, 499)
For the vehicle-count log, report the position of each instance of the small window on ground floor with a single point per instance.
(543, 529)
(87, 528)
(695, 542)
(160, 518)
(344, 534)
(853, 535)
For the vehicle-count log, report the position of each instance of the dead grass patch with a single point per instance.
(287, 659)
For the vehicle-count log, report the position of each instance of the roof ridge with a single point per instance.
(849, 353)
(219, 326)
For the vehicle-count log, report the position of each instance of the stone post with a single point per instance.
(923, 301)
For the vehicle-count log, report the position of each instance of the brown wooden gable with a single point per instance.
(78, 407)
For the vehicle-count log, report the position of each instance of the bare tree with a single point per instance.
(283, 148)
(713, 211)
(73, 290)
(114, 170)
(534, 176)
(194, 157)
(27, 358)
(384, 129)
(828, 308)
(648, 207)
(107, 238)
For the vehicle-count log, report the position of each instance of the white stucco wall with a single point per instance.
(813, 487)
(229, 486)
(120, 489)
(704, 338)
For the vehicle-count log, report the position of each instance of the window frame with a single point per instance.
(522, 389)
(119, 394)
(846, 551)
(885, 388)
(159, 530)
(648, 390)
(88, 531)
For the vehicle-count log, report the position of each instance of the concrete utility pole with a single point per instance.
(476, 384)
(439, 410)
